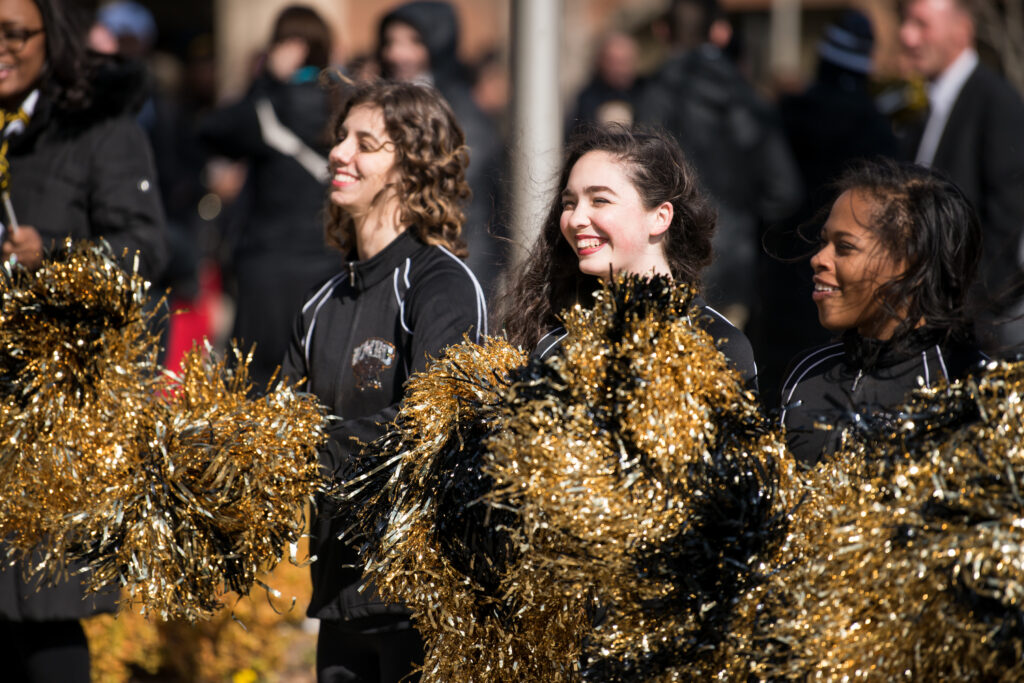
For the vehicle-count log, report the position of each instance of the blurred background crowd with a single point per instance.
(768, 98)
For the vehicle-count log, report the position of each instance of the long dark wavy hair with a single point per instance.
(550, 280)
(922, 219)
(431, 157)
(67, 76)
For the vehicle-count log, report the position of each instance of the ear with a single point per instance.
(661, 219)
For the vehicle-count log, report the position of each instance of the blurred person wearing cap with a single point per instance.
(830, 124)
(974, 133)
(131, 24)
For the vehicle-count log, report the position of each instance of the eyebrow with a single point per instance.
(590, 189)
(840, 234)
(367, 135)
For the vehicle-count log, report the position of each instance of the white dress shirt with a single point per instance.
(942, 94)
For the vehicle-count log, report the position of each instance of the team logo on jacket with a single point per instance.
(370, 360)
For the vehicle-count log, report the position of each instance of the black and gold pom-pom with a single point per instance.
(595, 514)
(175, 487)
(917, 567)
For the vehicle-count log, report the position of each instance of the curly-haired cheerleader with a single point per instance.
(397, 185)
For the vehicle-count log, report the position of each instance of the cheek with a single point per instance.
(563, 225)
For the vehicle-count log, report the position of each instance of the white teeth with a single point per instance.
(588, 243)
(825, 288)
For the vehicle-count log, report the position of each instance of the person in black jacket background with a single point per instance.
(397, 182)
(418, 43)
(734, 140)
(628, 202)
(79, 166)
(898, 254)
(280, 128)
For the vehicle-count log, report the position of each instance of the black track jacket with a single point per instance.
(356, 341)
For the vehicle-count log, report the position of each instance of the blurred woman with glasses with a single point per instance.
(73, 163)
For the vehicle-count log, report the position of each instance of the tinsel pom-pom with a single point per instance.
(430, 541)
(215, 494)
(599, 513)
(917, 569)
(178, 491)
(648, 484)
(77, 369)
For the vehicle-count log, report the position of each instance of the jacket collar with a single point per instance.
(363, 275)
(864, 353)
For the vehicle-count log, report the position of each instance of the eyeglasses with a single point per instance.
(14, 39)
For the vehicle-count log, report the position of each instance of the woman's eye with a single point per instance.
(600, 200)
(567, 205)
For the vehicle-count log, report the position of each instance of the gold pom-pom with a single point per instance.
(917, 569)
(599, 513)
(77, 369)
(648, 485)
(431, 543)
(176, 490)
(215, 493)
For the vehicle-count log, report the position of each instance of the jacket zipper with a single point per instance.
(856, 380)
(352, 274)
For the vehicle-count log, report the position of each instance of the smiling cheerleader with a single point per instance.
(898, 254)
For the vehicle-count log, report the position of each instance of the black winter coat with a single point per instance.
(735, 142)
(88, 175)
(356, 341)
(437, 24)
(830, 384)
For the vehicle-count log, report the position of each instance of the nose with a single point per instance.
(821, 259)
(578, 217)
(908, 35)
(342, 152)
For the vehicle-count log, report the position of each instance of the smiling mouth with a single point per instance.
(343, 178)
(825, 288)
(589, 245)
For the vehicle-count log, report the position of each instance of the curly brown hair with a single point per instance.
(551, 281)
(430, 155)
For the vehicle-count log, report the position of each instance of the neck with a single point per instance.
(376, 229)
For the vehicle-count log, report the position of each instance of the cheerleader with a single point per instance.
(627, 202)
(897, 255)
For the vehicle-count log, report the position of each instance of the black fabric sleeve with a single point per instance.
(733, 344)
(441, 309)
(234, 130)
(1002, 212)
(124, 201)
